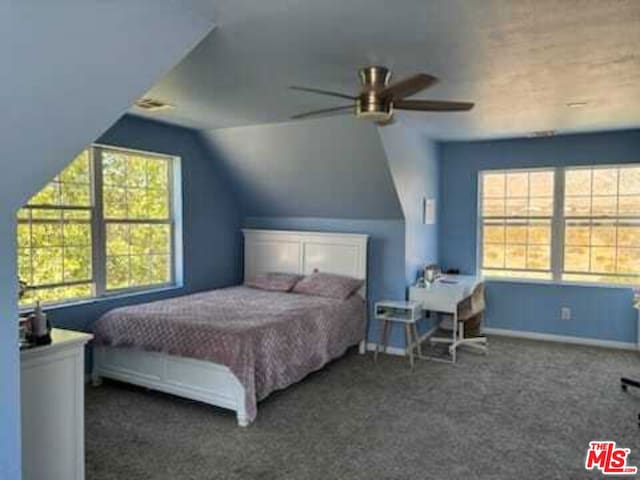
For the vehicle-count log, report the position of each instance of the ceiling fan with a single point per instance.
(378, 99)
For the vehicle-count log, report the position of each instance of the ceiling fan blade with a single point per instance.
(409, 86)
(325, 112)
(323, 92)
(432, 105)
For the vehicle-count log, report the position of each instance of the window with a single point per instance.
(579, 224)
(602, 224)
(517, 209)
(104, 225)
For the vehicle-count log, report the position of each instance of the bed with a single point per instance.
(232, 347)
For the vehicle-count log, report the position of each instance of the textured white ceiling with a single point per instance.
(521, 61)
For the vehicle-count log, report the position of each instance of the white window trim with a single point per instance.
(99, 235)
(557, 229)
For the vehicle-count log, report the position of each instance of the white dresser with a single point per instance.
(52, 403)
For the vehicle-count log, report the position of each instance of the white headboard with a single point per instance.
(304, 252)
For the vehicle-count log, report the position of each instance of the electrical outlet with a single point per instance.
(565, 313)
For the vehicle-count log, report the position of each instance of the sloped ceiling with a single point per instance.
(69, 72)
(521, 61)
(331, 168)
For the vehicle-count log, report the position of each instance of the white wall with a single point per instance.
(70, 69)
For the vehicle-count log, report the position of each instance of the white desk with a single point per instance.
(443, 296)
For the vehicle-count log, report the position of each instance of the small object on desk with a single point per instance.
(40, 331)
(431, 273)
(408, 313)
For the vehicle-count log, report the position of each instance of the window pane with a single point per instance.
(493, 207)
(577, 234)
(117, 272)
(603, 234)
(604, 206)
(493, 233)
(603, 259)
(115, 202)
(47, 265)
(160, 242)
(541, 207)
(629, 235)
(629, 260)
(117, 239)
(516, 233)
(518, 184)
(516, 256)
(517, 207)
(493, 185)
(577, 182)
(629, 206)
(160, 269)
(539, 233)
(541, 184)
(576, 259)
(493, 256)
(630, 181)
(539, 257)
(605, 181)
(77, 264)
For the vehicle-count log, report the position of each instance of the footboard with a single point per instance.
(199, 380)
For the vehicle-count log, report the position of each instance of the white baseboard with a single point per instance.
(547, 337)
(371, 346)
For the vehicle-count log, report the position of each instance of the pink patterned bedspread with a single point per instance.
(269, 340)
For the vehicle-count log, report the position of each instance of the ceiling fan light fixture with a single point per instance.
(374, 111)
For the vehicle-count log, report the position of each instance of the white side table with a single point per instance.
(408, 313)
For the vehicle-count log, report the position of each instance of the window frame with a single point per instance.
(98, 225)
(558, 221)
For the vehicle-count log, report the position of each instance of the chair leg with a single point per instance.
(416, 337)
(409, 343)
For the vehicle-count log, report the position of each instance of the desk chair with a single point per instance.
(470, 310)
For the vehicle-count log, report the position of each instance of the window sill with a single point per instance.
(558, 283)
(104, 298)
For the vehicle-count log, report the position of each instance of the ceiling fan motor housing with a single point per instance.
(369, 104)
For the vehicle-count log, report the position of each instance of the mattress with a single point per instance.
(268, 340)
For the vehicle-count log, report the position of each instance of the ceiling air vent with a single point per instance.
(153, 105)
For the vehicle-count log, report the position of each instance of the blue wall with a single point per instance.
(601, 313)
(211, 221)
(329, 167)
(414, 167)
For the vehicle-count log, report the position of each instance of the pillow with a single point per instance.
(328, 285)
(274, 281)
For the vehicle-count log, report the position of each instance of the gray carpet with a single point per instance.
(527, 411)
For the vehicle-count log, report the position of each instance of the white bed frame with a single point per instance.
(212, 383)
